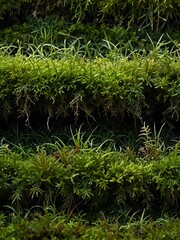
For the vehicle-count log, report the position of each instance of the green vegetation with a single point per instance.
(151, 13)
(113, 85)
(51, 225)
(89, 123)
(51, 192)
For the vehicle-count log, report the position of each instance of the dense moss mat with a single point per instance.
(99, 62)
(85, 192)
(144, 88)
(85, 177)
(55, 226)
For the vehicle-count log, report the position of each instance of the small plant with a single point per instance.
(153, 145)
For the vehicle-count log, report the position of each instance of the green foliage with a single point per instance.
(51, 225)
(152, 145)
(98, 37)
(144, 13)
(73, 84)
(76, 177)
(85, 191)
(61, 33)
(89, 60)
